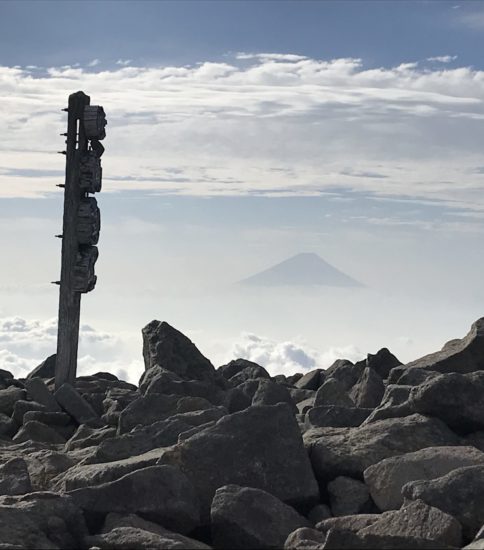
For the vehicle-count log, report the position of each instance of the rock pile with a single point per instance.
(373, 454)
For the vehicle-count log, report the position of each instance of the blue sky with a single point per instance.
(239, 134)
(381, 32)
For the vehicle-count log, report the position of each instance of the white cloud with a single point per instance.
(25, 343)
(94, 63)
(226, 126)
(288, 357)
(443, 58)
(124, 62)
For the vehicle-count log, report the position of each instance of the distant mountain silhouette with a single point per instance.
(306, 269)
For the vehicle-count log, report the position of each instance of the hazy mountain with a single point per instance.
(306, 269)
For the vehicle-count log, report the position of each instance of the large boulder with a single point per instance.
(457, 399)
(159, 493)
(345, 372)
(240, 370)
(39, 392)
(147, 410)
(258, 447)
(41, 520)
(460, 355)
(75, 405)
(246, 518)
(333, 392)
(8, 397)
(386, 479)
(369, 389)
(350, 451)
(271, 393)
(417, 519)
(14, 477)
(382, 362)
(46, 369)
(459, 493)
(394, 404)
(165, 346)
(311, 380)
(305, 538)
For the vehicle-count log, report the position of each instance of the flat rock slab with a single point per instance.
(85, 475)
(159, 493)
(259, 447)
(386, 479)
(350, 451)
(245, 518)
(75, 405)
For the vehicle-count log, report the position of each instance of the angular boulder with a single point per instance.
(348, 496)
(165, 346)
(386, 479)
(245, 518)
(159, 493)
(457, 399)
(459, 493)
(461, 355)
(350, 451)
(368, 391)
(259, 447)
(337, 417)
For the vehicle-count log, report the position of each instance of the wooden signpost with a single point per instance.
(81, 225)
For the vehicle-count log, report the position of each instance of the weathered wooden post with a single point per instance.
(81, 225)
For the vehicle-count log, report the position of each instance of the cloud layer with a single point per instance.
(260, 123)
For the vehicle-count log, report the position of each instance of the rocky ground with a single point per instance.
(368, 455)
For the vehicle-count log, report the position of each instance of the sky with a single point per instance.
(241, 133)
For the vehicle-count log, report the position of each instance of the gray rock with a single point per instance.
(459, 493)
(348, 496)
(270, 393)
(300, 395)
(36, 431)
(75, 405)
(345, 372)
(14, 478)
(239, 365)
(262, 448)
(243, 517)
(165, 346)
(337, 539)
(305, 538)
(412, 376)
(21, 407)
(86, 475)
(159, 434)
(85, 436)
(368, 391)
(305, 406)
(129, 538)
(46, 369)
(461, 355)
(147, 410)
(311, 380)
(394, 404)
(251, 371)
(174, 503)
(8, 397)
(39, 392)
(44, 465)
(7, 426)
(49, 418)
(349, 451)
(417, 519)
(333, 392)
(348, 523)
(382, 362)
(386, 479)
(41, 520)
(337, 417)
(457, 399)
